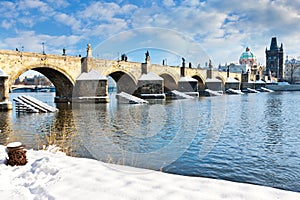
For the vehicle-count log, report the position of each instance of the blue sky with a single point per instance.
(198, 30)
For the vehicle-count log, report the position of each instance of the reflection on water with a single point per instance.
(250, 138)
(5, 126)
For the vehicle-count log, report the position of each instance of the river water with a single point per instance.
(252, 138)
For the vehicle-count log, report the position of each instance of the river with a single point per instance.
(251, 138)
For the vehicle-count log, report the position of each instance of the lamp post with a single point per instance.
(228, 70)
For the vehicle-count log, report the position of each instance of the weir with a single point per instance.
(253, 90)
(230, 90)
(25, 103)
(266, 89)
(124, 97)
(214, 93)
(181, 95)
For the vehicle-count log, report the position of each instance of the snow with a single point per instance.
(2, 73)
(187, 79)
(213, 80)
(231, 80)
(260, 81)
(150, 77)
(53, 175)
(91, 75)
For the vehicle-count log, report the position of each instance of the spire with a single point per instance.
(274, 45)
(281, 47)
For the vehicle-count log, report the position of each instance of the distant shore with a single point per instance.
(284, 87)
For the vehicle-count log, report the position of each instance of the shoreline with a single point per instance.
(54, 175)
(284, 87)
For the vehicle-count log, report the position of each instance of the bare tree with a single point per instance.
(293, 66)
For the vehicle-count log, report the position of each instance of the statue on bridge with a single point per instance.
(210, 65)
(183, 62)
(147, 57)
(89, 51)
(124, 57)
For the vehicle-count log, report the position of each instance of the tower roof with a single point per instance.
(273, 45)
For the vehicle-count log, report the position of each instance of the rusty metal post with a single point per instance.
(16, 154)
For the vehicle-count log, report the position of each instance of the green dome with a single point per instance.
(247, 55)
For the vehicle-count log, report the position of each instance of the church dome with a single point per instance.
(247, 57)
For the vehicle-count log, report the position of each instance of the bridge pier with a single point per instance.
(246, 82)
(187, 84)
(90, 87)
(5, 104)
(150, 85)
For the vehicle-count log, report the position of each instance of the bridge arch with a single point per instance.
(201, 82)
(62, 81)
(222, 79)
(125, 81)
(169, 82)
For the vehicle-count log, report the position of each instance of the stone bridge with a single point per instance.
(63, 71)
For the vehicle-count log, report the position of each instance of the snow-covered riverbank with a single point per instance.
(50, 175)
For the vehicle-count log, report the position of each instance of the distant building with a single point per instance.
(247, 64)
(35, 80)
(248, 58)
(274, 61)
(292, 70)
(235, 68)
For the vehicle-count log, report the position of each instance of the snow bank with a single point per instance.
(49, 175)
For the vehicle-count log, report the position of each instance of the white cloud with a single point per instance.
(68, 20)
(59, 4)
(128, 8)
(8, 9)
(100, 11)
(169, 3)
(107, 29)
(156, 39)
(33, 42)
(7, 24)
(30, 4)
(192, 3)
(27, 21)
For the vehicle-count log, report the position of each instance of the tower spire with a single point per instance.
(274, 44)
